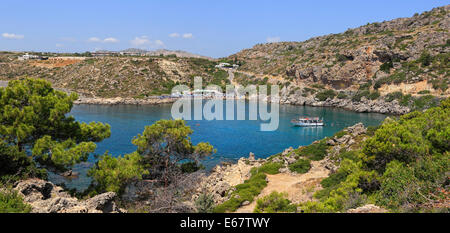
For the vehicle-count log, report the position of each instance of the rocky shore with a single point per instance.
(120, 100)
(364, 105)
(45, 197)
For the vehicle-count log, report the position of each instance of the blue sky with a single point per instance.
(207, 27)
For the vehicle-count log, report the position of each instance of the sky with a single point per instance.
(206, 27)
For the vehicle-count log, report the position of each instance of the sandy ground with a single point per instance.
(299, 187)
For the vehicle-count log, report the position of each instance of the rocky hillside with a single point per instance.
(45, 197)
(135, 77)
(408, 55)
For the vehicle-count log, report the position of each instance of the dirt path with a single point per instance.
(299, 187)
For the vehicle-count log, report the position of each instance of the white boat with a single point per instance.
(307, 121)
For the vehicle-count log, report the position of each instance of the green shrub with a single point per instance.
(426, 101)
(268, 168)
(339, 134)
(315, 151)
(190, 167)
(324, 95)
(16, 165)
(357, 97)
(374, 95)
(300, 166)
(274, 203)
(393, 96)
(386, 67)
(423, 92)
(12, 202)
(244, 192)
(204, 203)
(342, 95)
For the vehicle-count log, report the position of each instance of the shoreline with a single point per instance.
(364, 106)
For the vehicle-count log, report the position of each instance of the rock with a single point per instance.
(45, 197)
(370, 208)
(245, 203)
(251, 156)
(69, 174)
(331, 142)
(103, 203)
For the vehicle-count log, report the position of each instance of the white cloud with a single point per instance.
(159, 43)
(12, 36)
(143, 41)
(59, 45)
(188, 35)
(174, 35)
(110, 40)
(273, 39)
(94, 39)
(140, 41)
(106, 40)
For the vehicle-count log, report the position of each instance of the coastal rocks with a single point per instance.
(222, 178)
(364, 105)
(120, 100)
(45, 197)
(370, 208)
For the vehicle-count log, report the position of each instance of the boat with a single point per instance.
(307, 121)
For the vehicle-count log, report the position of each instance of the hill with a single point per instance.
(407, 55)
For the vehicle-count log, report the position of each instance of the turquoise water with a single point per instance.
(233, 139)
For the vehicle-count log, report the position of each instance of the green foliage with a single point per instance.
(15, 165)
(316, 151)
(404, 186)
(425, 59)
(324, 95)
(342, 95)
(111, 174)
(393, 96)
(300, 166)
(386, 67)
(34, 117)
(401, 166)
(339, 134)
(190, 167)
(244, 192)
(268, 168)
(12, 202)
(274, 203)
(204, 203)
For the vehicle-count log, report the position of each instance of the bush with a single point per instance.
(386, 67)
(316, 151)
(300, 166)
(274, 203)
(244, 192)
(12, 202)
(190, 167)
(374, 95)
(112, 174)
(357, 97)
(204, 203)
(342, 95)
(268, 168)
(16, 165)
(324, 95)
(393, 96)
